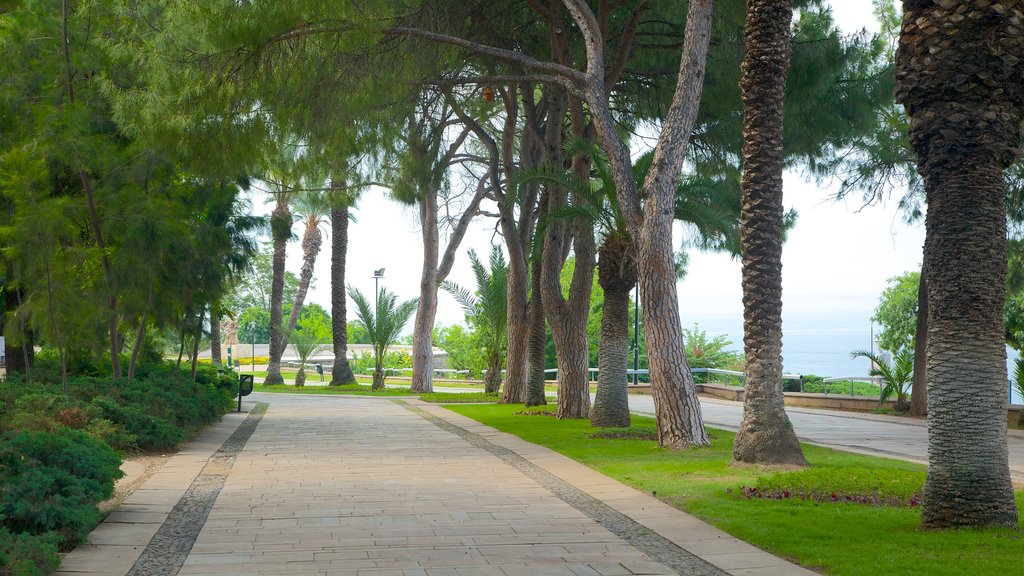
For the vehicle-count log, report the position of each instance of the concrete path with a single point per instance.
(878, 435)
(369, 486)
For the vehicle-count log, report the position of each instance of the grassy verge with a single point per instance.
(329, 390)
(824, 531)
(460, 397)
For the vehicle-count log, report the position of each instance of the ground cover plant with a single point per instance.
(60, 454)
(872, 526)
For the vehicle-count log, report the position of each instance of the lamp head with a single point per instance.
(378, 273)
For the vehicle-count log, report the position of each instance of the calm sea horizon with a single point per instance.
(818, 343)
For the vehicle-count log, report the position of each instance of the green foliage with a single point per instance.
(23, 554)
(461, 397)
(356, 333)
(383, 323)
(486, 308)
(897, 312)
(836, 538)
(465, 349)
(254, 325)
(706, 352)
(896, 375)
(51, 482)
(252, 289)
(148, 431)
(365, 362)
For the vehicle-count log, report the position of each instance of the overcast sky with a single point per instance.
(837, 259)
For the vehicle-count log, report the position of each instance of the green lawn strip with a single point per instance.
(460, 397)
(838, 538)
(328, 390)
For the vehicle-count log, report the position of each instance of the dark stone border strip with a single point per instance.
(166, 552)
(654, 545)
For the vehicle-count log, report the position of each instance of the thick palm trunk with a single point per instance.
(312, 240)
(215, 343)
(919, 386)
(535, 393)
(426, 309)
(959, 76)
(341, 373)
(492, 378)
(765, 435)
(617, 277)
(280, 224)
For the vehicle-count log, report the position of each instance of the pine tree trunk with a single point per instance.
(765, 435)
(196, 340)
(426, 307)
(215, 343)
(568, 319)
(676, 406)
(140, 336)
(959, 76)
(617, 277)
(535, 393)
(280, 224)
(919, 387)
(341, 372)
(312, 240)
(518, 331)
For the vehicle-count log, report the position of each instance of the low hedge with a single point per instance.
(60, 455)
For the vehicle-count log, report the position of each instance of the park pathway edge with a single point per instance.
(730, 554)
(117, 543)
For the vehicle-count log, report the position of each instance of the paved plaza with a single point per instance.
(369, 486)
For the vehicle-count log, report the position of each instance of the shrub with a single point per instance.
(27, 555)
(51, 482)
(151, 432)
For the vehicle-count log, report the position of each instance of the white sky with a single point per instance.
(837, 259)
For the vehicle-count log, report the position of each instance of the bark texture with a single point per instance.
(426, 310)
(765, 435)
(341, 372)
(616, 272)
(312, 241)
(280, 225)
(535, 393)
(919, 385)
(959, 76)
(215, 341)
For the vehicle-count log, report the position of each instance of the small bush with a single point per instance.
(150, 432)
(27, 555)
(73, 417)
(51, 482)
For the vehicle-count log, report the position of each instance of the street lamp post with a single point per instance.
(377, 275)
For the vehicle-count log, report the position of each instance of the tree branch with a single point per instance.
(569, 77)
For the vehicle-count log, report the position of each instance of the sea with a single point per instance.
(820, 343)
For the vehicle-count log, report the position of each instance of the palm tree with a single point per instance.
(383, 323)
(959, 69)
(308, 340)
(340, 200)
(896, 375)
(487, 310)
(314, 210)
(283, 177)
(765, 435)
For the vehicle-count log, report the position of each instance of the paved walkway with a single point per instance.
(879, 435)
(367, 486)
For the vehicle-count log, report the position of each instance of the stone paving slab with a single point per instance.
(115, 545)
(717, 547)
(365, 486)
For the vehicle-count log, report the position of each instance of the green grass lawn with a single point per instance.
(837, 538)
